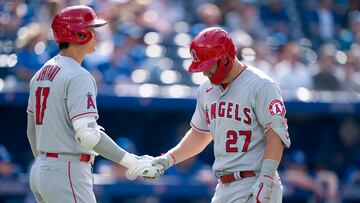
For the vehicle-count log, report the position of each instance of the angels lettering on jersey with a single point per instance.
(90, 101)
(225, 109)
(229, 110)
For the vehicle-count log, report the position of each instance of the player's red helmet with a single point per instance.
(72, 24)
(210, 46)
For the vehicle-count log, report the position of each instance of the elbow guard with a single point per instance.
(88, 137)
(279, 125)
(87, 132)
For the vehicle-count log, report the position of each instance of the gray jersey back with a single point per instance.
(237, 118)
(60, 92)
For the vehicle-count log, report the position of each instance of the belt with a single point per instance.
(83, 157)
(229, 178)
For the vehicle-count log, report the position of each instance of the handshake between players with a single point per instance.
(147, 166)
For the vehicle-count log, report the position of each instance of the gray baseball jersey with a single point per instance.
(237, 117)
(60, 92)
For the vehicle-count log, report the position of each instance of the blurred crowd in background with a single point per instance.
(303, 45)
(314, 44)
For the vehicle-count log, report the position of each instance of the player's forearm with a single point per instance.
(274, 146)
(192, 144)
(108, 149)
(31, 135)
(273, 152)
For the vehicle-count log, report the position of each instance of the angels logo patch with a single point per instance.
(90, 102)
(277, 107)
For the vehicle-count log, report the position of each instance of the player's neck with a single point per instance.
(234, 72)
(73, 53)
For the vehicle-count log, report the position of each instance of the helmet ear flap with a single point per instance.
(84, 36)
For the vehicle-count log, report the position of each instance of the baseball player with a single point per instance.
(62, 112)
(242, 111)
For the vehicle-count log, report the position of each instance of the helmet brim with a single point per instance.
(97, 23)
(202, 66)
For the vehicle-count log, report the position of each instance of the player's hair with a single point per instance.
(64, 45)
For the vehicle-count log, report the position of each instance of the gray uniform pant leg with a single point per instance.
(236, 191)
(58, 181)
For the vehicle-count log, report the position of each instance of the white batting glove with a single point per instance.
(261, 190)
(166, 160)
(141, 166)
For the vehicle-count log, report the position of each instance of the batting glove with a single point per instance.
(141, 166)
(261, 190)
(166, 160)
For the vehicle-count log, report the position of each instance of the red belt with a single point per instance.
(229, 178)
(83, 157)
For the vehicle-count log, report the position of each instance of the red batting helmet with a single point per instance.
(210, 46)
(72, 24)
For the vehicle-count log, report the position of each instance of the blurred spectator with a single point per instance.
(351, 187)
(275, 17)
(290, 72)
(353, 174)
(329, 182)
(163, 14)
(10, 19)
(326, 79)
(245, 15)
(351, 75)
(296, 177)
(7, 168)
(262, 59)
(32, 51)
(299, 179)
(347, 142)
(354, 24)
(207, 14)
(323, 21)
(47, 10)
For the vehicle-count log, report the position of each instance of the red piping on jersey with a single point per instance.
(83, 114)
(198, 128)
(258, 194)
(71, 186)
(245, 66)
(268, 177)
(224, 86)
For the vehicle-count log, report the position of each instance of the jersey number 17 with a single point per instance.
(41, 95)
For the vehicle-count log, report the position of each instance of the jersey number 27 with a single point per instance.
(41, 95)
(232, 138)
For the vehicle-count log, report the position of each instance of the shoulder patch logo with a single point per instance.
(90, 102)
(277, 107)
